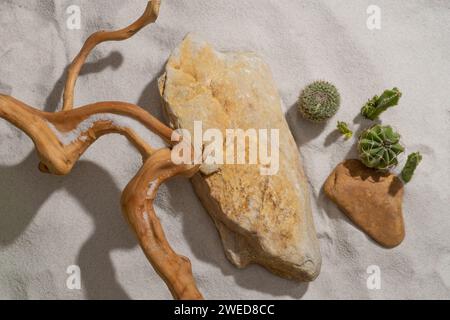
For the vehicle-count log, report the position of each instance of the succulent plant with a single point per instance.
(319, 101)
(344, 129)
(378, 104)
(379, 147)
(410, 166)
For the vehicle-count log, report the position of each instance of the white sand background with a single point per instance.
(48, 223)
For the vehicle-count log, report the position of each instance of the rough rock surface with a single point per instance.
(261, 219)
(371, 199)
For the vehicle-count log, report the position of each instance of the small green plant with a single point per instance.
(319, 101)
(379, 147)
(344, 129)
(410, 166)
(378, 104)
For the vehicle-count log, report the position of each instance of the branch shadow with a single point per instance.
(95, 192)
(100, 197)
(16, 210)
(113, 60)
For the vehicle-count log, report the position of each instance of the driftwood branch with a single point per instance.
(149, 16)
(137, 204)
(62, 137)
(58, 153)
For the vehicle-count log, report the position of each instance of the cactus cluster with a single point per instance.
(378, 104)
(379, 147)
(319, 101)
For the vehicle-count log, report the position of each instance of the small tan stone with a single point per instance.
(261, 219)
(371, 199)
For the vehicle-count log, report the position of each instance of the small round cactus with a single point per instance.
(379, 147)
(319, 101)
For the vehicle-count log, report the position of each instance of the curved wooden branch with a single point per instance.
(62, 137)
(149, 16)
(137, 204)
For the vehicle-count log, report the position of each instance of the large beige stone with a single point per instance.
(261, 219)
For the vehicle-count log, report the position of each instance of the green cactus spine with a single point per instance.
(379, 147)
(319, 101)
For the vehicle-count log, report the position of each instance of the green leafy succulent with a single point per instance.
(378, 104)
(410, 166)
(344, 129)
(379, 147)
(319, 101)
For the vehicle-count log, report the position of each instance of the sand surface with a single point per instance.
(48, 223)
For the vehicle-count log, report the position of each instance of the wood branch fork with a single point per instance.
(62, 137)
